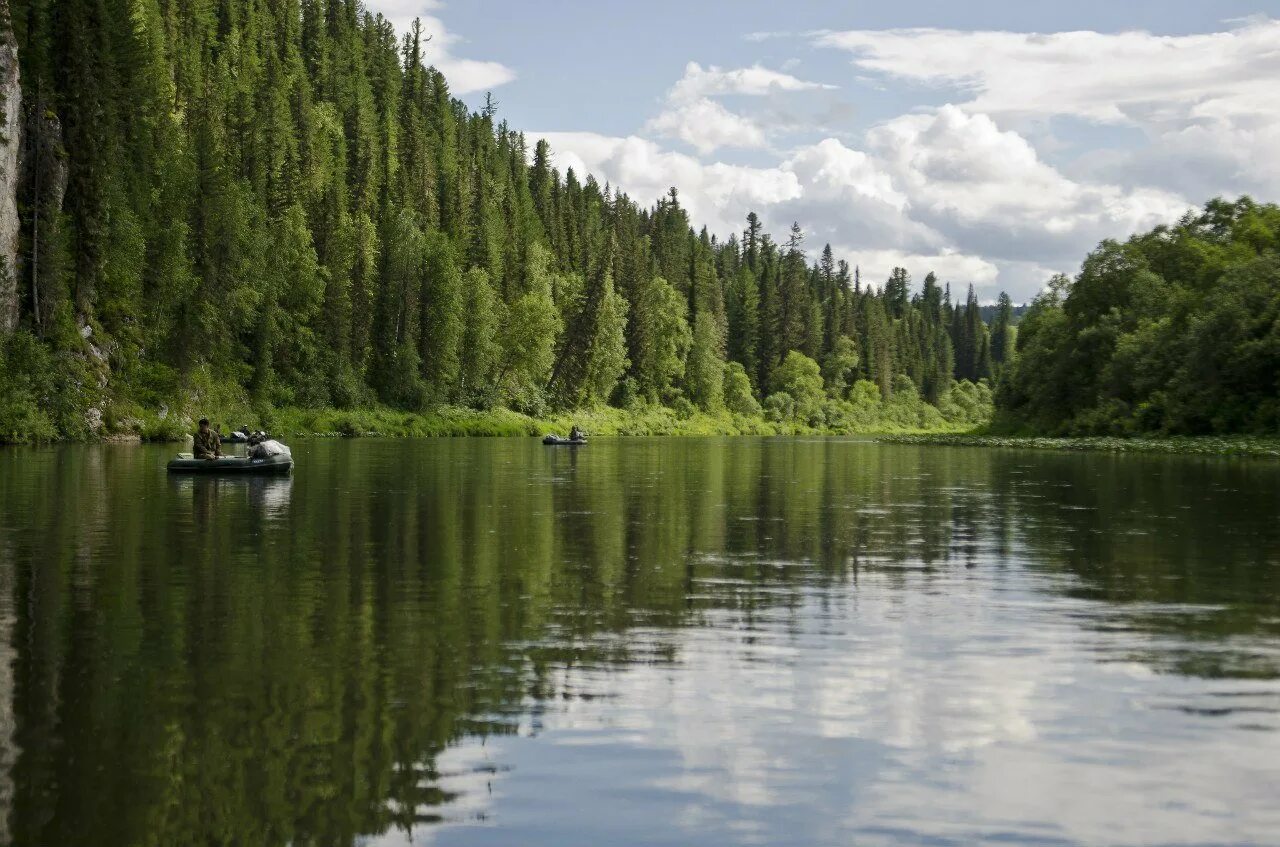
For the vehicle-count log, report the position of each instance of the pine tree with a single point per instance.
(1002, 331)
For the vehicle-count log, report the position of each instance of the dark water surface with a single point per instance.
(677, 642)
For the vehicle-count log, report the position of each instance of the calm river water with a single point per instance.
(675, 642)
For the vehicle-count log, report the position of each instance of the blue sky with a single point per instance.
(991, 142)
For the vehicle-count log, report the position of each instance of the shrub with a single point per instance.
(780, 407)
(738, 397)
(26, 387)
(800, 378)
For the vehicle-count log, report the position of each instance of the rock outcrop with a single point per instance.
(10, 142)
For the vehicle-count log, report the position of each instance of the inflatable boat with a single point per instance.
(242, 437)
(187, 463)
(559, 441)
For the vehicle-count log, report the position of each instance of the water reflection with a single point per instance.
(267, 497)
(715, 642)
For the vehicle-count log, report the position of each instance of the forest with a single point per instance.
(228, 205)
(1175, 331)
(244, 207)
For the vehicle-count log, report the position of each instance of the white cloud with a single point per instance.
(967, 177)
(947, 192)
(948, 264)
(846, 175)
(693, 117)
(1134, 77)
(465, 76)
(1207, 102)
(718, 195)
(707, 126)
(755, 81)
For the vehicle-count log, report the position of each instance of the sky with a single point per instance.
(994, 143)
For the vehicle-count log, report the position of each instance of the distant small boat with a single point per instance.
(187, 463)
(242, 437)
(560, 441)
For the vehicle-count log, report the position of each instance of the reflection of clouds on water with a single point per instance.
(216, 497)
(270, 496)
(946, 714)
(476, 642)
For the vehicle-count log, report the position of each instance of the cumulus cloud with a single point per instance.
(716, 194)
(945, 191)
(755, 81)
(1134, 77)
(987, 188)
(948, 263)
(465, 76)
(691, 115)
(1207, 102)
(707, 126)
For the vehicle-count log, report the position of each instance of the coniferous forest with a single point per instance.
(234, 206)
(279, 202)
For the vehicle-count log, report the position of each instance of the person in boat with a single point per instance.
(576, 434)
(208, 445)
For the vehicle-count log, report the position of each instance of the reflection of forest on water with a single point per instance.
(282, 660)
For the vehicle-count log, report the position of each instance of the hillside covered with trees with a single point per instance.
(277, 203)
(1175, 331)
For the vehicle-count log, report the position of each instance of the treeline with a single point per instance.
(1174, 331)
(280, 200)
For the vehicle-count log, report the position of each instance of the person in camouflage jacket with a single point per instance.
(208, 445)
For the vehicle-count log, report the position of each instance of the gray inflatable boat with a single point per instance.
(187, 463)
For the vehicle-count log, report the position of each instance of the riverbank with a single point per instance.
(599, 421)
(1234, 445)
(449, 421)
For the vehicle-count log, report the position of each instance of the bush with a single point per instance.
(738, 397)
(780, 407)
(627, 394)
(27, 386)
(683, 408)
(800, 378)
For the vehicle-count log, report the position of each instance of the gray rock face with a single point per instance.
(10, 141)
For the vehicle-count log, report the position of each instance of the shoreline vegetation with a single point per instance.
(1202, 445)
(244, 216)
(905, 414)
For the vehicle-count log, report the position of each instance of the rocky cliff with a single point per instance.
(10, 141)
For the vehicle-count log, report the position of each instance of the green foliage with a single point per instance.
(481, 351)
(444, 320)
(967, 403)
(282, 206)
(840, 365)
(663, 338)
(607, 351)
(800, 378)
(738, 396)
(1174, 332)
(705, 377)
(780, 407)
(1207, 445)
(26, 391)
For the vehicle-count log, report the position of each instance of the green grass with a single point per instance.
(598, 421)
(1209, 445)
(160, 415)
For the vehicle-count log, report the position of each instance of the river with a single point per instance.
(642, 641)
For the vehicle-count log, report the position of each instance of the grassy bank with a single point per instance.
(1236, 445)
(452, 421)
(600, 421)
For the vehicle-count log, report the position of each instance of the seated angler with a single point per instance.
(207, 444)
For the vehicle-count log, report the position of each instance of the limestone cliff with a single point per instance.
(10, 141)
